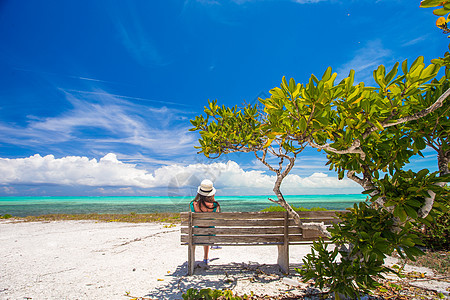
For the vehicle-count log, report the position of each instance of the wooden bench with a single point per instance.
(250, 229)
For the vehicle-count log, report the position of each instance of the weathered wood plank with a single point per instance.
(191, 247)
(238, 239)
(239, 215)
(242, 230)
(249, 240)
(308, 242)
(318, 214)
(250, 214)
(261, 215)
(252, 223)
(311, 234)
(283, 250)
(291, 243)
(235, 223)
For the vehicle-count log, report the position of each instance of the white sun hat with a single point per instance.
(206, 188)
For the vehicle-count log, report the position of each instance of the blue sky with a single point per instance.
(96, 96)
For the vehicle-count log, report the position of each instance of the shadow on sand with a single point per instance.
(216, 276)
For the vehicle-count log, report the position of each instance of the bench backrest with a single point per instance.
(250, 228)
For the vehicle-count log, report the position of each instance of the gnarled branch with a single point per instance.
(354, 148)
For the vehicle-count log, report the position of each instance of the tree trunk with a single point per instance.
(292, 213)
(443, 161)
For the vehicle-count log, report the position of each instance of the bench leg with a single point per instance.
(283, 258)
(191, 259)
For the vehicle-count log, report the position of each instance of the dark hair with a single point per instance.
(202, 199)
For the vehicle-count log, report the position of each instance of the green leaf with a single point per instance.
(422, 173)
(400, 212)
(376, 174)
(327, 75)
(441, 11)
(284, 82)
(428, 71)
(392, 73)
(368, 191)
(302, 124)
(409, 254)
(405, 66)
(415, 251)
(416, 63)
(430, 3)
(411, 211)
(350, 79)
(420, 143)
(414, 203)
(378, 125)
(292, 84)
(390, 203)
(378, 75)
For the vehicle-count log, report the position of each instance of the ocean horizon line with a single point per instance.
(40, 205)
(156, 196)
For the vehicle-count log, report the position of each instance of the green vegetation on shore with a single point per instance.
(279, 208)
(129, 218)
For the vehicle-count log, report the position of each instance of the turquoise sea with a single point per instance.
(33, 206)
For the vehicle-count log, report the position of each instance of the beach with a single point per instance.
(89, 260)
(112, 260)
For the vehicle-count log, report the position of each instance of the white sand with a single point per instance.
(89, 260)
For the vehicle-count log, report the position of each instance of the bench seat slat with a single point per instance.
(238, 239)
(249, 239)
(299, 243)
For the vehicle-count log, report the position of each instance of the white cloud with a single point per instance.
(73, 170)
(365, 61)
(415, 41)
(229, 177)
(116, 122)
(140, 46)
(136, 38)
(240, 2)
(8, 190)
(65, 75)
(208, 2)
(308, 1)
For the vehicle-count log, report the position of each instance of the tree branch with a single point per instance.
(387, 123)
(263, 160)
(354, 148)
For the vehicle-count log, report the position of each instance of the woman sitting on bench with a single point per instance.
(205, 202)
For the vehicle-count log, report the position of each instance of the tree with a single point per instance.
(369, 134)
(444, 9)
(360, 128)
